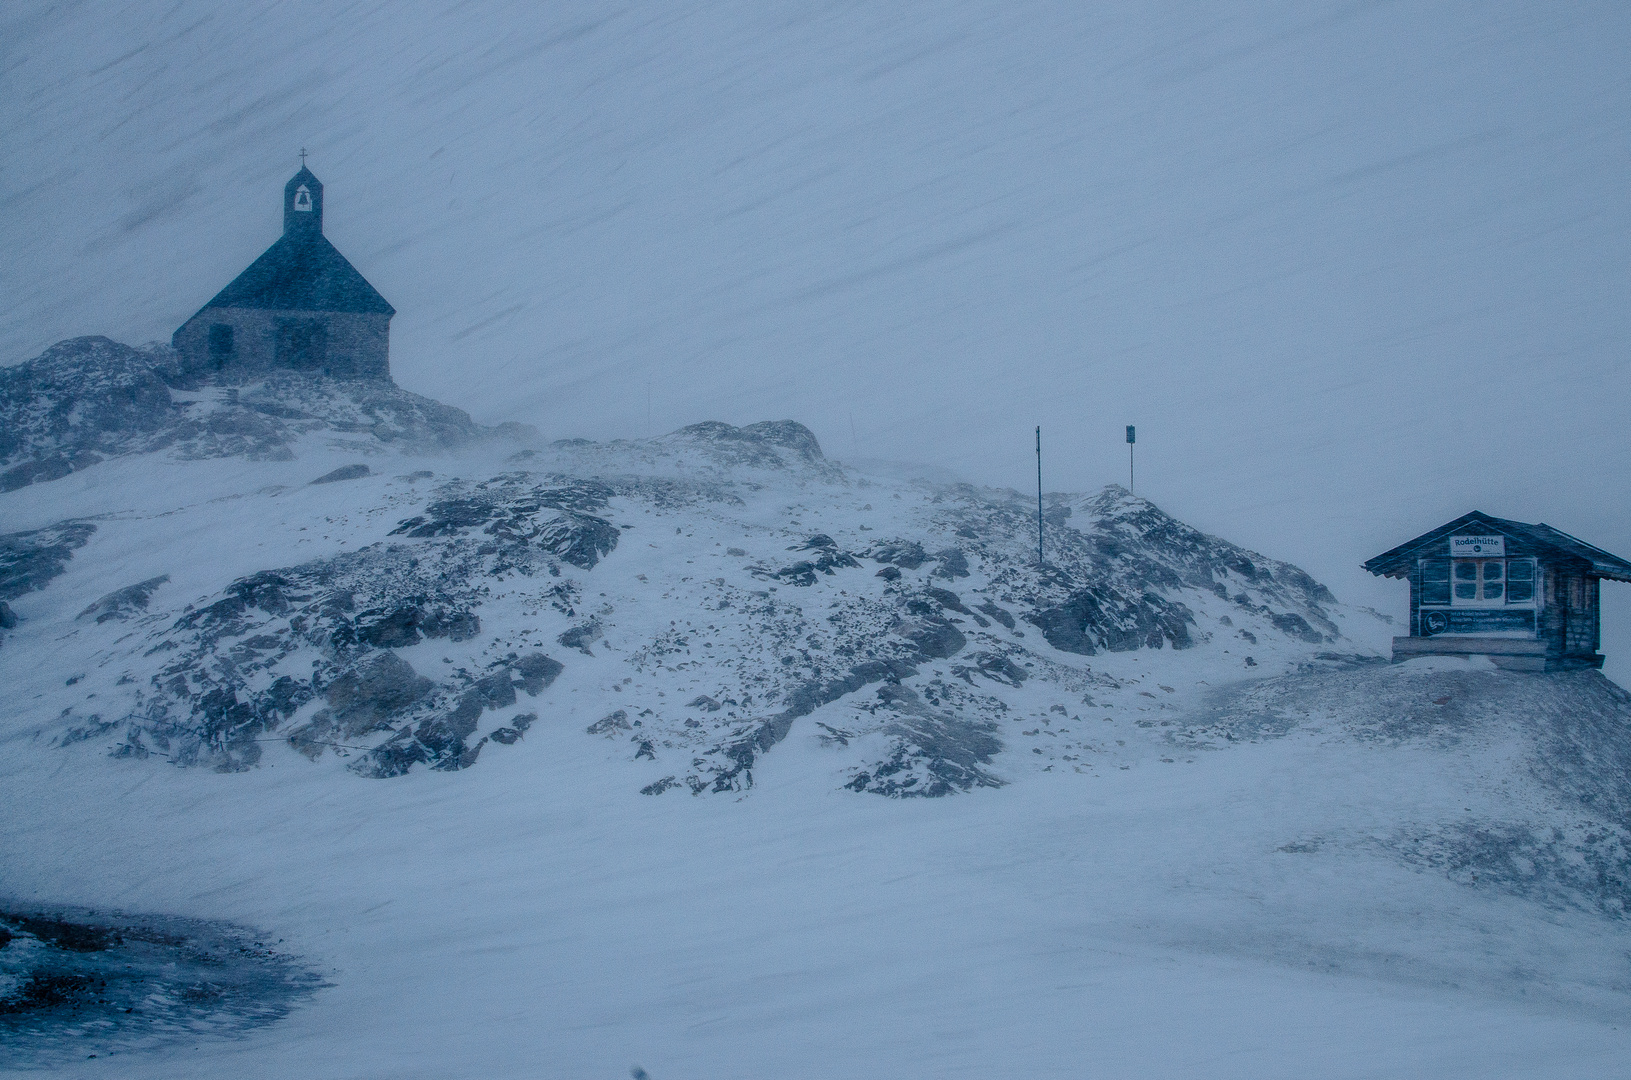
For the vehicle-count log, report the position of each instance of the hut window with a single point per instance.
(1520, 581)
(1480, 581)
(1435, 581)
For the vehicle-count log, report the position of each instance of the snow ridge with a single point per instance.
(906, 623)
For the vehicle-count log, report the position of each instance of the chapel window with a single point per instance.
(220, 343)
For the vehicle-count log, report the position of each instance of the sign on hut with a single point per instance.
(1526, 596)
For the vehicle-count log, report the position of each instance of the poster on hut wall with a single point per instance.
(1477, 547)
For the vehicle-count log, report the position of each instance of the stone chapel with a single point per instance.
(301, 306)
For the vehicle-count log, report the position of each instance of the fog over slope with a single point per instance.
(1308, 249)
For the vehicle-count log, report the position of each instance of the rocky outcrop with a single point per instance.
(244, 665)
(514, 510)
(87, 399)
(125, 602)
(30, 560)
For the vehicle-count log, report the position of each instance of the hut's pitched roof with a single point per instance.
(1399, 561)
(302, 273)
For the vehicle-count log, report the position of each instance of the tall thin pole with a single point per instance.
(1039, 561)
(1132, 437)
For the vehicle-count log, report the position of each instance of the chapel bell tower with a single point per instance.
(303, 205)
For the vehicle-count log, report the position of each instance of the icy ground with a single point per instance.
(559, 759)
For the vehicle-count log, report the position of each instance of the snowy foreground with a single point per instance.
(712, 756)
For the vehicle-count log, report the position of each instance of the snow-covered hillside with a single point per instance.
(501, 756)
(701, 591)
(1286, 241)
(605, 698)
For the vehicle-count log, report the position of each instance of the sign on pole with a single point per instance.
(1132, 437)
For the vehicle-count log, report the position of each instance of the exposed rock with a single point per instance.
(992, 666)
(89, 398)
(580, 637)
(537, 671)
(125, 602)
(906, 554)
(805, 699)
(30, 560)
(78, 983)
(298, 633)
(935, 753)
(344, 472)
(366, 699)
(953, 564)
(551, 516)
(1091, 619)
(934, 637)
(512, 732)
(609, 724)
(767, 444)
(997, 613)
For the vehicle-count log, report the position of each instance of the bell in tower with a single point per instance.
(303, 204)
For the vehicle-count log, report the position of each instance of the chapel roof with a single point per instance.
(302, 273)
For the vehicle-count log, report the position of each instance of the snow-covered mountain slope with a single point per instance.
(700, 592)
(579, 745)
(1293, 243)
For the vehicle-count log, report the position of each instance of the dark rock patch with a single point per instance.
(933, 637)
(935, 753)
(1091, 619)
(906, 554)
(125, 602)
(740, 755)
(997, 613)
(551, 516)
(610, 724)
(344, 472)
(242, 665)
(90, 398)
(580, 637)
(991, 666)
(76, 983)
(30, 560)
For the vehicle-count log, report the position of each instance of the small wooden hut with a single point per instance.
(1526, 596)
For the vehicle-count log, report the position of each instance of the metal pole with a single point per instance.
(1039, 561)
(1132, 437)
